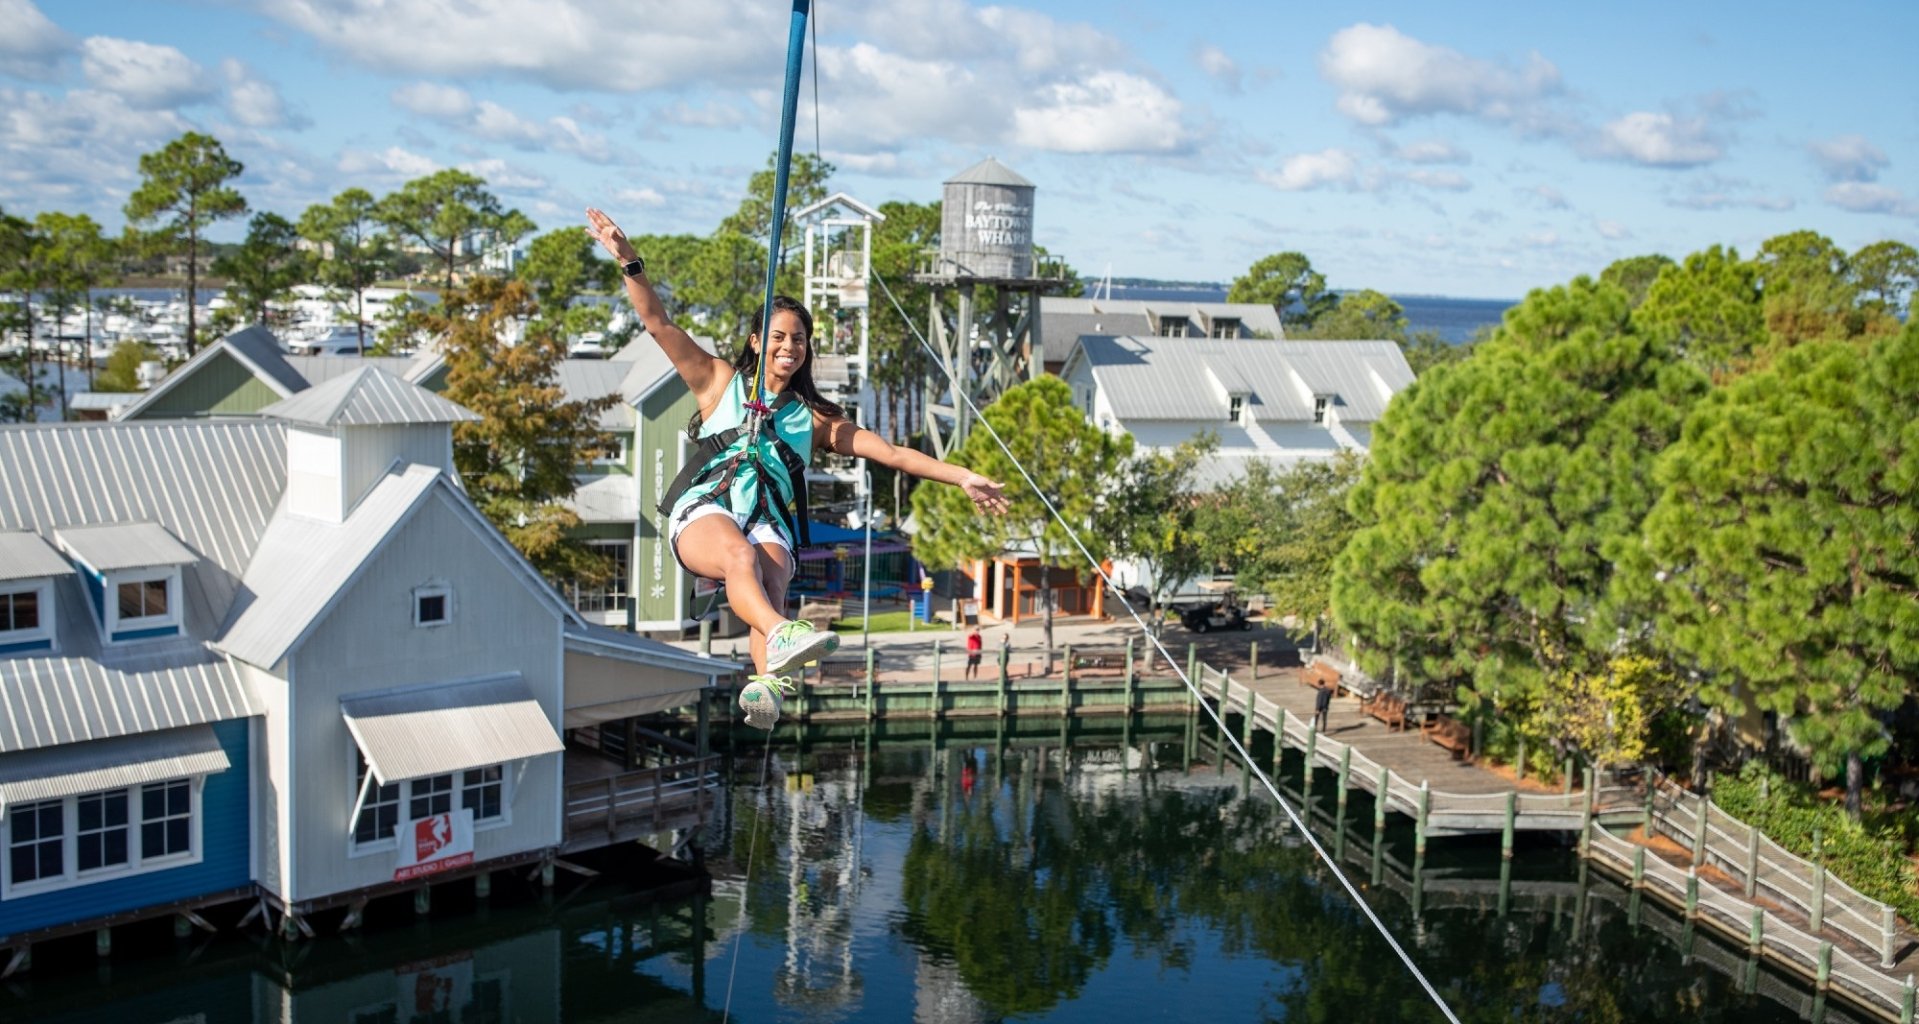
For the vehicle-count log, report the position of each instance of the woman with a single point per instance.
(732, 512)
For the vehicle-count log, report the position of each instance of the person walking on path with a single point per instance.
(738, 511)
(975, 645)
(1322, 706)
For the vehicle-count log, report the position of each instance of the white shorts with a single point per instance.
(761, 533)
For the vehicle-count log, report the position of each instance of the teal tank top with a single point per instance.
(793, 421)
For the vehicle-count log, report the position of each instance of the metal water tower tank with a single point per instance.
(986, 224)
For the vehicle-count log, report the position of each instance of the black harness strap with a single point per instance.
(703, 467)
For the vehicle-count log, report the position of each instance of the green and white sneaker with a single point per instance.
(763, 696)
(796, 644)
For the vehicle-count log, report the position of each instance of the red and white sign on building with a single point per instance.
(436, 843)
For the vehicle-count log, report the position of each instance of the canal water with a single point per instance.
(883, 877)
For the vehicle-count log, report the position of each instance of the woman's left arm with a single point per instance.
(844, 437)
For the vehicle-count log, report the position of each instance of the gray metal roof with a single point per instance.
(111, 547)
(605, 641)
(211, 483)
(989, 172)
(320, 369)
(1189, 378)
(110, 764)
(303, 564)
(25, 556)
(1066, 318)
(368, 396)
(647, 366)
(606, 498)
(583, 380)
(436, 730)
(46, 702)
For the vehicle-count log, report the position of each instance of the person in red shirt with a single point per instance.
(973, 646)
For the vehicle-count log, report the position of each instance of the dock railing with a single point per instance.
(647, 798)
(1765, 932)
(1763, 867)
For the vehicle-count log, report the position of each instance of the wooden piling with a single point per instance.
(871, 652)
(1692, 893)
(1306, 769)
(1752, 862)
(1252, 668)
(1425, 810)
(1506, 833)
(1127, 686)
(1818, 911)
(1345, 769)
(423, 900)
(1756, 937)
(1700, 825)
(1005, 655)
(1379, 800)
(1638, 868)
(936, 680)
(1824, 980)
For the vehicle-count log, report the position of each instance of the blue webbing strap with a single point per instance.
(795, 56)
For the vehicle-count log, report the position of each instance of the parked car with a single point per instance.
(1223, 614)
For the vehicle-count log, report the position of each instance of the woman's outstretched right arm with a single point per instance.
(701, 371)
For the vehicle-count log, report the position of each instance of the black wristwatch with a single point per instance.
(633, 267)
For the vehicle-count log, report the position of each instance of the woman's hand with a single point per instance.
(985, 494)
(609, 235)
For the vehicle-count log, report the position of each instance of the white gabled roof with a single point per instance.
(304, 566)
(366, 397)
(1181, 378)
(111, 547)
(254, 347)
(24, 556)
(840, 199)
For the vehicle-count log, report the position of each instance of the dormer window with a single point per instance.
(29, 567)
(1319, 409)
(1235, 408)
(132, 573)
(1225, 327)
(1172, 327)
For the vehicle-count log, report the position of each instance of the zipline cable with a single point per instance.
(1217, 715)
(795, 57)
(746, 885)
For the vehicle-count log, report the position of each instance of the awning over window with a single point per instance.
(75, 768)
(437, 730)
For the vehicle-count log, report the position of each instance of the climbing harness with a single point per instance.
(746, 442)
(1299, 823)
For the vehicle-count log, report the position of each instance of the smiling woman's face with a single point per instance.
(786, 345)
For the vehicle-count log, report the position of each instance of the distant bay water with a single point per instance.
(1454, 320)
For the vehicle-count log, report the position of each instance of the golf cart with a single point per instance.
(1225, 613)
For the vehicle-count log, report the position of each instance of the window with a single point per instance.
(431, 796)
(610, 452)
(91, 837)
(1235, 407)
(102, 835)
(379, 812)
(1225, 327)
(36, 842)
(432, 606)
(483, 791)
(166, 819)
(1319, 408)
(610, 595)
(143, 599)
(20, 611)
(1172, 327)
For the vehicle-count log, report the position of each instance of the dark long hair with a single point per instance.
(747, 361)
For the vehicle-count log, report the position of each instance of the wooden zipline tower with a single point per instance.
(986, 241)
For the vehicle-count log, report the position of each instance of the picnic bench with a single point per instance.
(1388, 709)
(1452, 734)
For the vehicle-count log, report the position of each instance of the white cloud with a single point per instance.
(1431, 151)
(1219, 66)
(1661, 140)
(1611, 229)
(1304, 171)
(505, 177)
(566, 44)
(642, 196)
(1848, 158)
(1445, 181)
(32, 46)
(1542, 240)
(1107, 112)
(434, 100)
(253, 101)
(1867, 197)
(145, 74)
(390, 162)
(708, 115)
(485, 119)
(1548, 196)
(81, 149)
(1385, 76)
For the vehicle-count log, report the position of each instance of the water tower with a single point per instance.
(991, 341)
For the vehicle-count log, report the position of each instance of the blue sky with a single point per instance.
(1476, 150)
